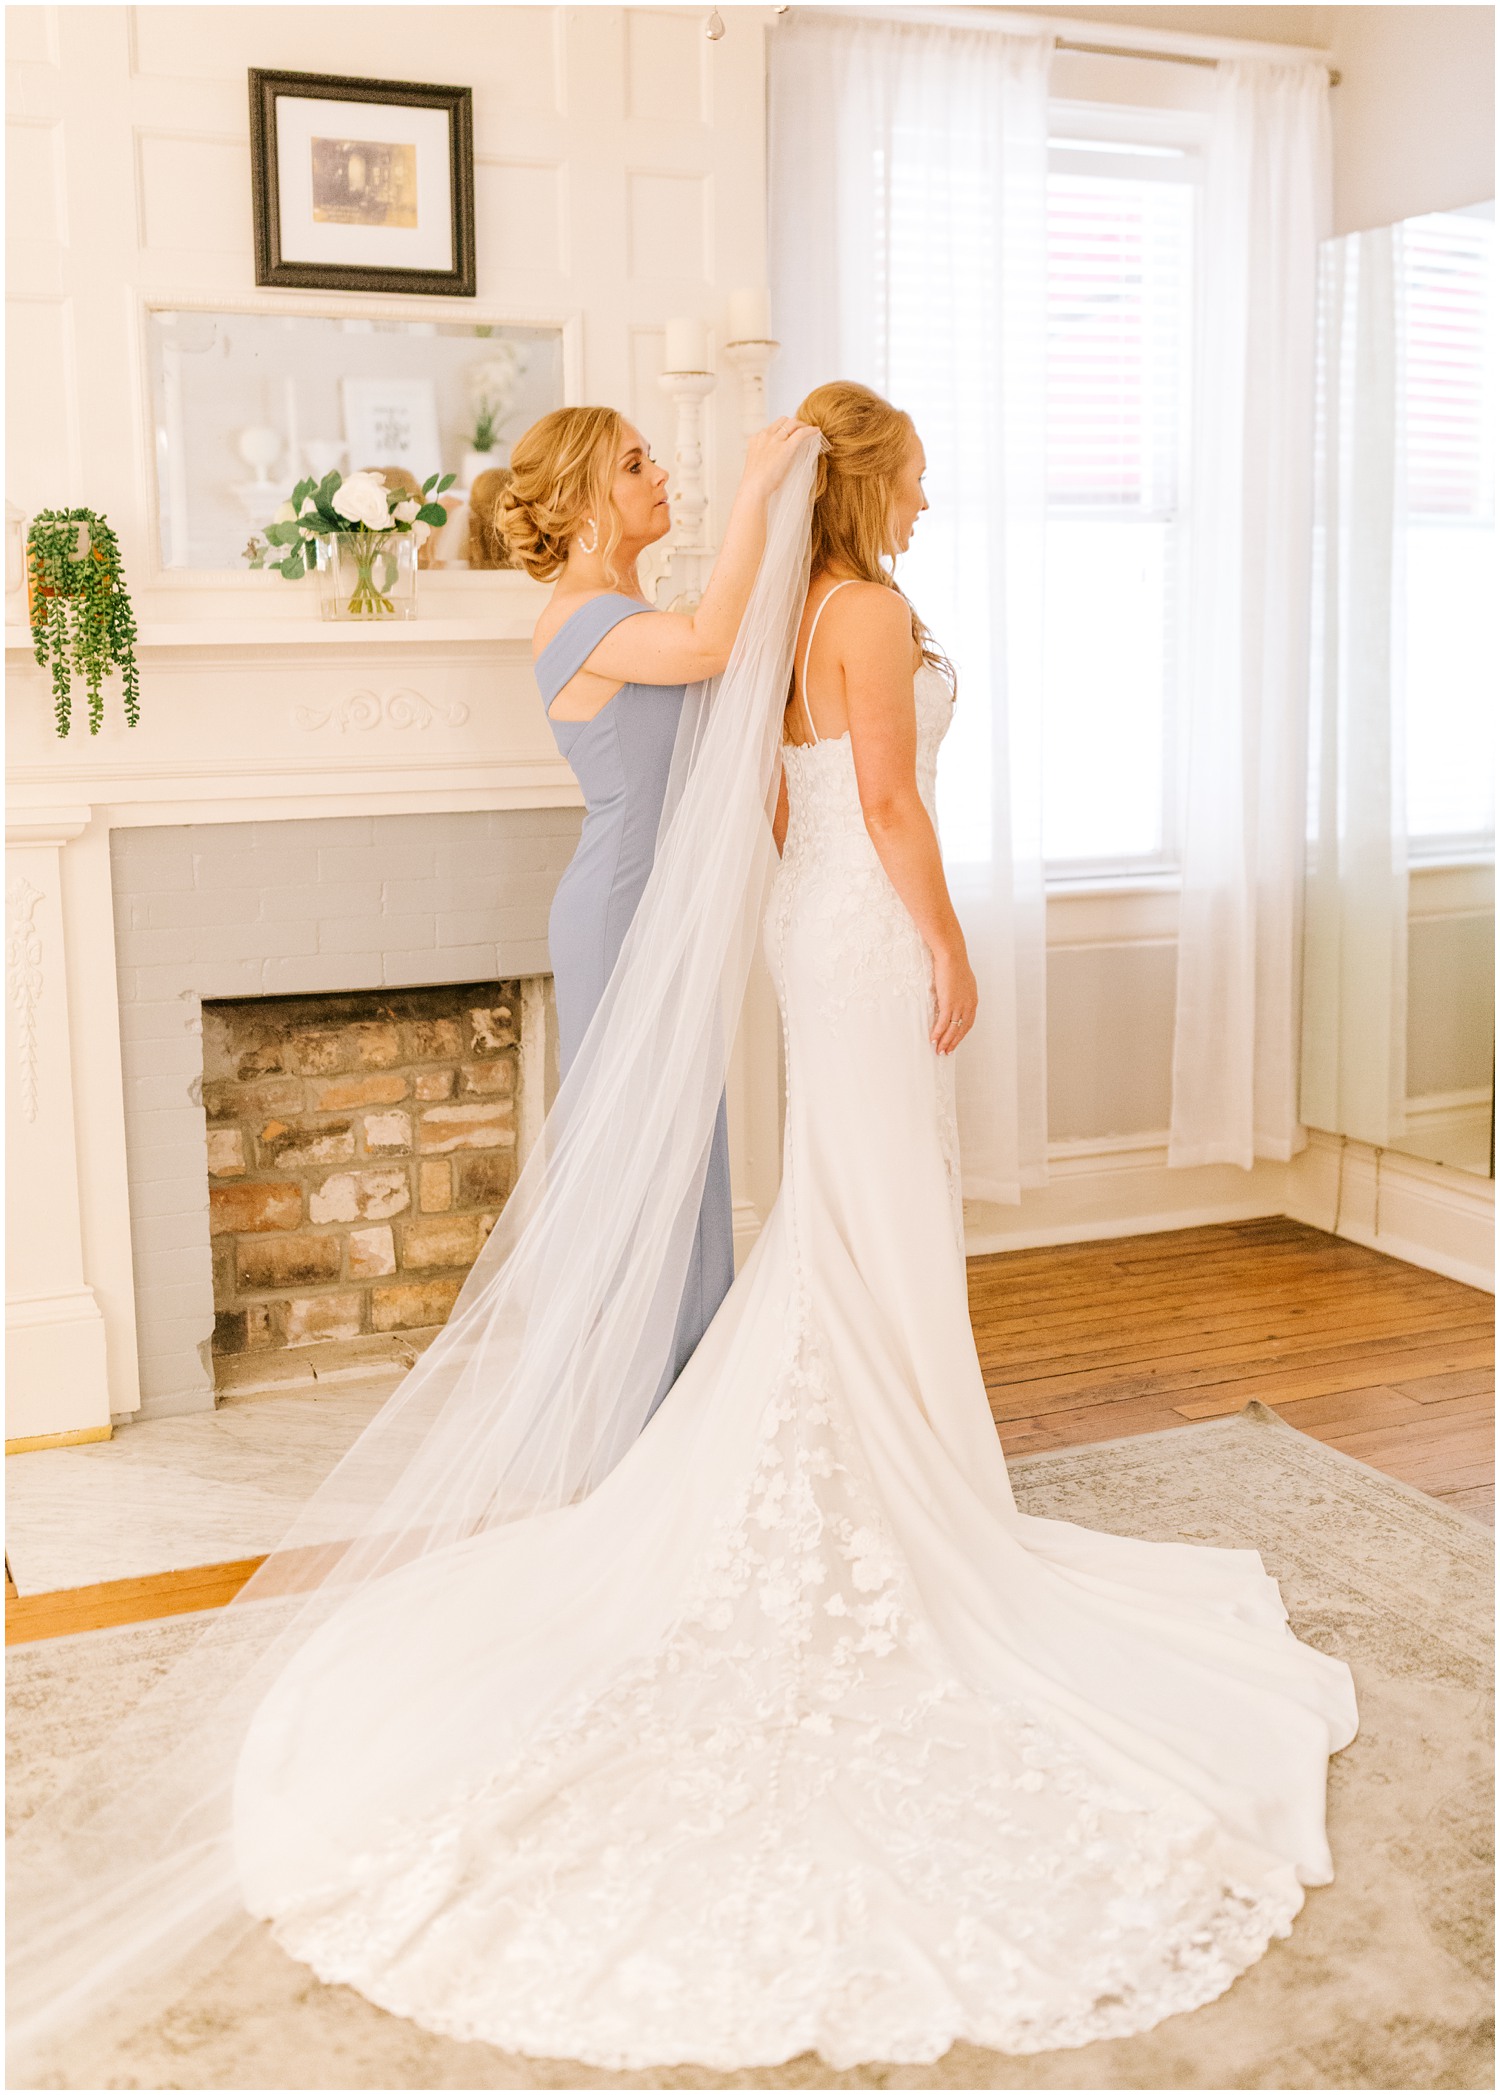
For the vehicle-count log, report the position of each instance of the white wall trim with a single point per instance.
(1120, 1186)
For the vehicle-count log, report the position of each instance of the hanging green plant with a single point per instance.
(81, 620)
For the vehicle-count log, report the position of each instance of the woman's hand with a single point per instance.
(769, 453)
(957, 998)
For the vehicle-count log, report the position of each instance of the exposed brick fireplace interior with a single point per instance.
(359, 1149)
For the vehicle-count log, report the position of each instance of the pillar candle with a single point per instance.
(750, 316)
(687, 346)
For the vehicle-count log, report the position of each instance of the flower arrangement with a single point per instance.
(81, 617)
(355, 516)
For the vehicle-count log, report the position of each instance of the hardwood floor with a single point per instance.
(30, 1616)
(1084, 1342)
(1392, 1364)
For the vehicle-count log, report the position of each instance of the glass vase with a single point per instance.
(368, 575)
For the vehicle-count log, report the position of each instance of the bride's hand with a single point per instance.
(769, 453)
(957, 999)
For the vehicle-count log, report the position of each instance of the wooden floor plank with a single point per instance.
(30, 1617)
(1430, 1389)
(1351, 1367)
(1477, 1500)
(1391, 1363)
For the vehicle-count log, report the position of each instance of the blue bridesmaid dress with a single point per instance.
(621, 759)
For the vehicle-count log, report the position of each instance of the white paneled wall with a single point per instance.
(619, 180)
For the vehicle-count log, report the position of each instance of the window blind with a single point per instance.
(1449, 367)
(1448, 339)
(1119, 314)
(1118, 268)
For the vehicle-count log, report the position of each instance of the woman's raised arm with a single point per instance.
(677, 647)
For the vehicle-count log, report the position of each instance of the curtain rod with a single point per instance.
(1062, 43)
(1145, 43)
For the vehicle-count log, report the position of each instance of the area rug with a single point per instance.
(1384, 1982)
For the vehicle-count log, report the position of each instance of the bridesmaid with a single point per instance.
(584, 500)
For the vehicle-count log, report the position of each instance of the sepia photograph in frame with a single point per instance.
(362, 185)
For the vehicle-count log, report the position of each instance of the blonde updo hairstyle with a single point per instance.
(853, 525)
(560, 474)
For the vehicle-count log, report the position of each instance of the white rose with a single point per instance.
(421, 532)
(361, 498)
(309, 506)
(405, 512)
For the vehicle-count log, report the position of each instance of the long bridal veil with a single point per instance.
(123, 1889)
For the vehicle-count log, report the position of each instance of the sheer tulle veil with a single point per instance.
(123, 1888)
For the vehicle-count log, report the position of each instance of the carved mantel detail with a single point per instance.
(363, 710)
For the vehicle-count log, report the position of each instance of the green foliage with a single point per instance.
(81, 618)
(315, 517)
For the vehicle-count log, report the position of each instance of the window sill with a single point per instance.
(1455, 887)
(1441, 858)
(1067, 885)
(1134, 910)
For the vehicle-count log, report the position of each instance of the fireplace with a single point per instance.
(359, 1150)
(336, 1045)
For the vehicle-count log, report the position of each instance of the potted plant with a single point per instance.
(362, 545)
(81, 620)
(492, 386)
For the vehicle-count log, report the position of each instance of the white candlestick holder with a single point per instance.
(751, 360)
(691, 553)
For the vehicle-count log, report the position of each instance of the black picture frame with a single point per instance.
(271, 268)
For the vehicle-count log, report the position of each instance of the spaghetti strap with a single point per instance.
(806, 709)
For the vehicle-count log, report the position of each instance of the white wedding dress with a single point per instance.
(795, 1734)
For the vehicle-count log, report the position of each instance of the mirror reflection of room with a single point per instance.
(1398, 992)
(248, 404)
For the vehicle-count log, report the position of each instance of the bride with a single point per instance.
(776, 1726)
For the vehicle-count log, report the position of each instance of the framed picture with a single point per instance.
(362, 185)
(392, 422)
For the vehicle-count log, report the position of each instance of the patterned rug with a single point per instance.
(1385, 1981)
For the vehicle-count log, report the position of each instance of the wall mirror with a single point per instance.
(1398, 979)
(246, 404)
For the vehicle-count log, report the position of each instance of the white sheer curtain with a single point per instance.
(1266, 207)
(908, 245)
(1354, 993)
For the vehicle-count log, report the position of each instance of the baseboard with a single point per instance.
(748, 1222)
(29, 1441)
(1120, 1186)
(1428, 1214)
(1451, 1127)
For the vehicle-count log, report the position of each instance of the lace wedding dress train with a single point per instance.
(795, 1734)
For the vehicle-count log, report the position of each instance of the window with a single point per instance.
(1449, 407)
(1121, 220)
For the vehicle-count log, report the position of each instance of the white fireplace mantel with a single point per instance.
(241, 719)
(248, 715)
